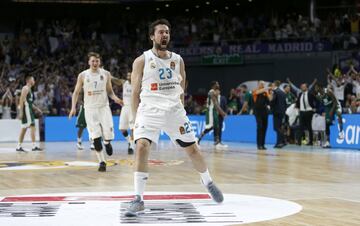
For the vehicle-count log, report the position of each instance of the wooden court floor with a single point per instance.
(326, 183)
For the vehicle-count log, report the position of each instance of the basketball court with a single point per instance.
(292, 186)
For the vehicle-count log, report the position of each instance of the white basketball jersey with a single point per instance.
(161, 81)
(94, 86)
(127, 93)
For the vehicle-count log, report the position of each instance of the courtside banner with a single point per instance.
(351, 125)
(240, 128)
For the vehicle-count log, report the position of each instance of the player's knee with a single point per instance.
(97, 144)
(125, 133)
(143, 144)
(184, 144)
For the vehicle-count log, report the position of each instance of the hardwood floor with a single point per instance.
(325, 183)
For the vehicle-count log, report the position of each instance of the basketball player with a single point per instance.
(96, 84)
(213, 113)
(126, 117)
(26, 113)
(332, 107)
(158, 82)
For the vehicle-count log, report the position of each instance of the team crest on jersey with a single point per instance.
(172, 65)
(154, 86)
(101, 77)
(182, 130)
(152, 65)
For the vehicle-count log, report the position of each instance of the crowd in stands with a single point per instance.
(54, 51)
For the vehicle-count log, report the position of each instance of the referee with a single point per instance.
(261, 99)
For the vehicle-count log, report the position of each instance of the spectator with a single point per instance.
(306, 103)
(248, 100)
(233, 103)
(278, 107)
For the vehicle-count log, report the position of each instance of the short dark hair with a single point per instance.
(93, 54)
(157, 22)
(277, 83)
(243, 86)
(213, 83)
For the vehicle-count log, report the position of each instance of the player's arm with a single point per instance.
(244, 107)
(260, 91)
(312, 84)
(183, 81)
(136, 78)
(293, 87)
(216, 104)
(117, 81)
(110, 91)
(75, 95)
(36, 108)
(24, 93)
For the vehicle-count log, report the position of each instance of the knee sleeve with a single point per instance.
(125, 133)
(97, 144)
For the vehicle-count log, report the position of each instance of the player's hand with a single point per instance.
(223, 114)
(39, 111)
(72, 113)
(119, 101)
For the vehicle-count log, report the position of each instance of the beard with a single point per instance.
(162, 46)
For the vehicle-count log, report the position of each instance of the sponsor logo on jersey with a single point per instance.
(172, 65)
(182, 130)
(154, 86)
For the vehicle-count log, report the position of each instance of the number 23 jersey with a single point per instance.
(161, 81)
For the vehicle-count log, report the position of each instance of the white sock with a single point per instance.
(34, 144)
(100, 155)
(79, 140)
(205, 177)
(140, 179)
(19, 145)
(127, 138)
(132, 145)
(106, 142)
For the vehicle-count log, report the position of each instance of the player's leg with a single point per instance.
(100, 154)
(185, 138)
(26, 122)
(209, 124)
(21, 139)
(95, 132)
(33, 133)
(79, 138)
(147, 130)
(132, 143)
(107, 125)
(199, 164)
(81, 125)
(340, 124)
(327, 133)
(124, 126)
